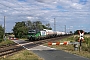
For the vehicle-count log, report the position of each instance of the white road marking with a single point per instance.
(40, 47)
(26, 43)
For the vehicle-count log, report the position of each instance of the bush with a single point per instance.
(87, 43)
(1, 32)
(6, 42)
(1, 40)
(76, 38)
(84, 48)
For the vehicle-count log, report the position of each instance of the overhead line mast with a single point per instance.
(54, 25)
(4, 29)
(65, 29)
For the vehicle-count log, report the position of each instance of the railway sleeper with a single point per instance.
(3, 50)
(10, 51)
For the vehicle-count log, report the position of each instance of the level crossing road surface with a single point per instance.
(57, 55)
(48, 53)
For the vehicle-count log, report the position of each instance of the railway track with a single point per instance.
(7, 51)
(11, 49)
(50, 40)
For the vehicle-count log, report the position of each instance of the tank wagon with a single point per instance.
(43, 34)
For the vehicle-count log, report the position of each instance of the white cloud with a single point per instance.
(78, 6)
(71, 4)
(29, 18)
(66, 12)
(47, 1)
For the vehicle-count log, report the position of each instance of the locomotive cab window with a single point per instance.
(31, 32)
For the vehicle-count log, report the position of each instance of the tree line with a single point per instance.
(21, 29)
(1, 32)
(76, 32)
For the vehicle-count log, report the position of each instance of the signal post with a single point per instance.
(81, 39)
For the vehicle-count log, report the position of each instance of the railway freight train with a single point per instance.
(43, 34)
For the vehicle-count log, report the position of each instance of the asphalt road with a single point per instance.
(57, 55)
(48, 53)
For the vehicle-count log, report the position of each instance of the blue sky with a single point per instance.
(75, 14)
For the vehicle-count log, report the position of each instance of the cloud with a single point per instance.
(77, 6)
(47, 1)
(66, 12)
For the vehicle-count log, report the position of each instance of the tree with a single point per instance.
(76, 32)
(88, 32)
(20, 29)
(37, 25)
(34, 25)
(29, 24)
(1, 32)
(71, 32)
(48, 25)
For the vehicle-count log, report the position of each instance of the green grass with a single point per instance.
(6, 42)
(23, 55)
(23, 39)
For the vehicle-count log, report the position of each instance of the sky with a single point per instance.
(74, 14)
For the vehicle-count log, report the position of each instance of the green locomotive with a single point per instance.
(36, 34)
(43, 34)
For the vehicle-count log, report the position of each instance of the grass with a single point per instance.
(85, 52)
(6, 42)
(23, 55)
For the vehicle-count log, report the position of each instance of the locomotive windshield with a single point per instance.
(31, 32)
